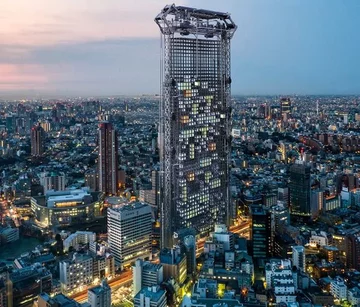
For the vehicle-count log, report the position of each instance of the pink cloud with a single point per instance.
(29, 76)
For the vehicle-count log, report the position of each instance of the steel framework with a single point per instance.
(195, 119)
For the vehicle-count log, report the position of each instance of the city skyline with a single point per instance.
(91, 49)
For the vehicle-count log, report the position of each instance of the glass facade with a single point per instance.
(195, 117)
(300, 189)
(261, 232)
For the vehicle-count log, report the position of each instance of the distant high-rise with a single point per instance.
(108, 159)
(261, 232)
(300, 188)
(195, 117)
(285, 106)
(37, 141)
(52, 181)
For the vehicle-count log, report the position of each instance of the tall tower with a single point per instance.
(285, 106)
(261, 232)
(108, 159)
(37, 141)
(300, 188)
(195, 119)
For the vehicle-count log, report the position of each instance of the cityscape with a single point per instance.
(191, 195)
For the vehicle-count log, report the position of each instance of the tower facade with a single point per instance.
(129, 233)
(300, 189)
(108, 159)
(195, 119)
(285, 106)
(261, 232)
(37, 141)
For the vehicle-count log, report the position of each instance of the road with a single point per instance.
(126, 276)
(121, 280)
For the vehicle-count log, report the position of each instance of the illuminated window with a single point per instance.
(212, 146)
(184, 119)
(191, 176)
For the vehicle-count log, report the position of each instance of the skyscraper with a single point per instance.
(300, 190)
(195, 116)
(37, 141)
(285, 106)
(261, 232)
(108, 159)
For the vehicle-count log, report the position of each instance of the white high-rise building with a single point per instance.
(298, 257)
(129, 233)
(100, 296)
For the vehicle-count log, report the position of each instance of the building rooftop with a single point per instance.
(130, 206)
(77, 258)
(70, 195)
(152, 266)
(154, 293)
(60, 299)
(101, 288)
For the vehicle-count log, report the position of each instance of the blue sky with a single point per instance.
(91, 47)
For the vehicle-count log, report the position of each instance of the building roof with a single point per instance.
(149, 292)
(60, 299)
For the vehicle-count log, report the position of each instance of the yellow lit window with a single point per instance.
(184, 119)
(191, 176)
(212, 146)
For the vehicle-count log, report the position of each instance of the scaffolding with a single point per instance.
(195, 119)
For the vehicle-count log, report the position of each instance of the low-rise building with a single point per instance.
(103, 266)
(281, 280)
(100, 296)
(77, 238)
(338, 288)
(76, 272)
(150, 297)
(65, 207)
(320, 239)
(8, 234)
(146, 274)
(59, 300)
(27, 283)
(353, 296)
(174, 263)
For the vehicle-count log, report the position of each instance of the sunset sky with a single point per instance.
(111, 47)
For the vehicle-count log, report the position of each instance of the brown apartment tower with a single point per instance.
(37, 141)
(108, 159)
